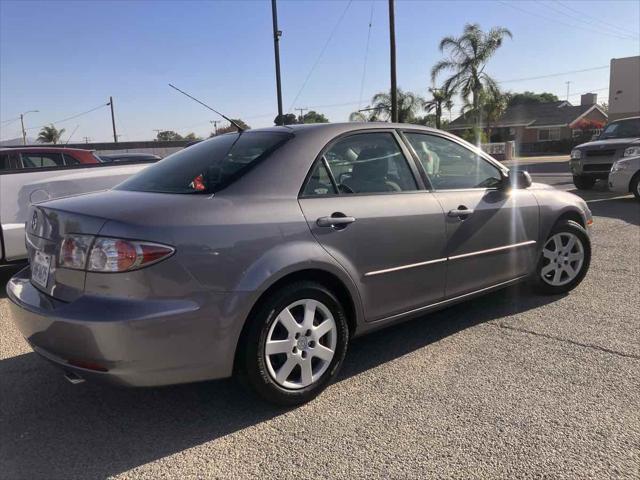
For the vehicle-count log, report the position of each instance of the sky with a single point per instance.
(64, 58)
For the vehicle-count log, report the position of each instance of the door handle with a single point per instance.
(335, 221)
(461, 212)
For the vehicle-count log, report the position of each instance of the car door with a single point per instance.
(491, 230)
(366, 206)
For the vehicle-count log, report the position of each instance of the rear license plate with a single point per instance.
(40, 269)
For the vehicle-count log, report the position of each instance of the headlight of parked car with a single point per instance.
(576, 154)
(619, 165)
(632, 152)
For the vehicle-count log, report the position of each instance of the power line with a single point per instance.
(590, 24)
(554, 74)
(324, 48)
(10, 120)
(69, 118)
(366, 54)
(598, 20)
(553, 19)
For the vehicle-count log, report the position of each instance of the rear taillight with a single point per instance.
(109, 254)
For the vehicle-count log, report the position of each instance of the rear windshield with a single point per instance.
(622, 129)
(206, 167)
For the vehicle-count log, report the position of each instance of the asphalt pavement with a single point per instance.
(511, 385)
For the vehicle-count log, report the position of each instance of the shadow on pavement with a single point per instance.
(52, 429)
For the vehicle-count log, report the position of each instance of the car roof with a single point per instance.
(132, 154)
(43, 149)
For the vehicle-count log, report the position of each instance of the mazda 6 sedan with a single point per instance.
(262, 253)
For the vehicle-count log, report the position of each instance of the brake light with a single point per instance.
(109, 254)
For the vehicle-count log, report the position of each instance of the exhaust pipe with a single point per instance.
(73, 378)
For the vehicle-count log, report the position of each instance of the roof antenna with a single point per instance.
(233, 122)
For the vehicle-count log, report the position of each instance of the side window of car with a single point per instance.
(319, 182)
(5, 162)
(369, 163)
(41, 160)
(450, 165)
(69, 160)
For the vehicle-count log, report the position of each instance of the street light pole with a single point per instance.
(113, 121)
(24, 132)
(392, 50)
(276, 47)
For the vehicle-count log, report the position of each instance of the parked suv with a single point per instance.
(592, 161)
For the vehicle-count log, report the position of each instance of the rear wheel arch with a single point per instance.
(323, 277)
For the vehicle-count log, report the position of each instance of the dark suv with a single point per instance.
(593, 160)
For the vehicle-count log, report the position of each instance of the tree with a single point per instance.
(191, 137)
(230, 128)
(492, 106)
(468, 58)
(604, 106)
(367, 115)
(440, 98)
(168, 136)
(287, 119)
(409, 104)
(528, 97)
(50, 134)
(314, 117)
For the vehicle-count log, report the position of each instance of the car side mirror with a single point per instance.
(517, 179)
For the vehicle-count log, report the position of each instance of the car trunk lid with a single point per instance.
(45, 228)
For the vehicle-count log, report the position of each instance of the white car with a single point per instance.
(34, 174)
(624, 176)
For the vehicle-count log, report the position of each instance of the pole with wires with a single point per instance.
(276, 48)
(113, 121)
(392, 51)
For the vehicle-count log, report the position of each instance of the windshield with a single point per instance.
(206, 167)
(622, 129)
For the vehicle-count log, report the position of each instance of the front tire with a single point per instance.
(295, 344)
(564, 260)
(634, 186)
(583, 182)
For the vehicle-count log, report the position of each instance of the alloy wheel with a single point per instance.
(564, 257)
(300, 344)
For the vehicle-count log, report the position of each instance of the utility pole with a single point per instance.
(568, 83)
(113, 121)
(215, 125)
(392, 49)
(86, 139)
(276, 47)
(301, 110)
(24, 132)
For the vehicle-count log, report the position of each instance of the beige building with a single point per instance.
(624, 88)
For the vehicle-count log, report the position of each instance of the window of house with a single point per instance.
(363, 163)
(449, 165)
(548, 134)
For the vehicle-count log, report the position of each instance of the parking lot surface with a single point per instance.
(508, 385)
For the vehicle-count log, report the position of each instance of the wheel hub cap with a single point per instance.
(563, 256)
(300, 344)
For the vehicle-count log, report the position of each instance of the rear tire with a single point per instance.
(583, 182)
(634, 186)
(564, 259)
(295, 344)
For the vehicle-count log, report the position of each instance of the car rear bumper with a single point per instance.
(130, 342)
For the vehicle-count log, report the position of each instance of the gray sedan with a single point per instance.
(262, 253)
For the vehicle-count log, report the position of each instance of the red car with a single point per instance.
(21, 158)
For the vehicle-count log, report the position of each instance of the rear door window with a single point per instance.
(70, 160)
(41, 160)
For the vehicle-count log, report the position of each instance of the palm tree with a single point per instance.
(439, 98)
(409, 104)
(491, 106)
(468, 57)
(50, 134)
